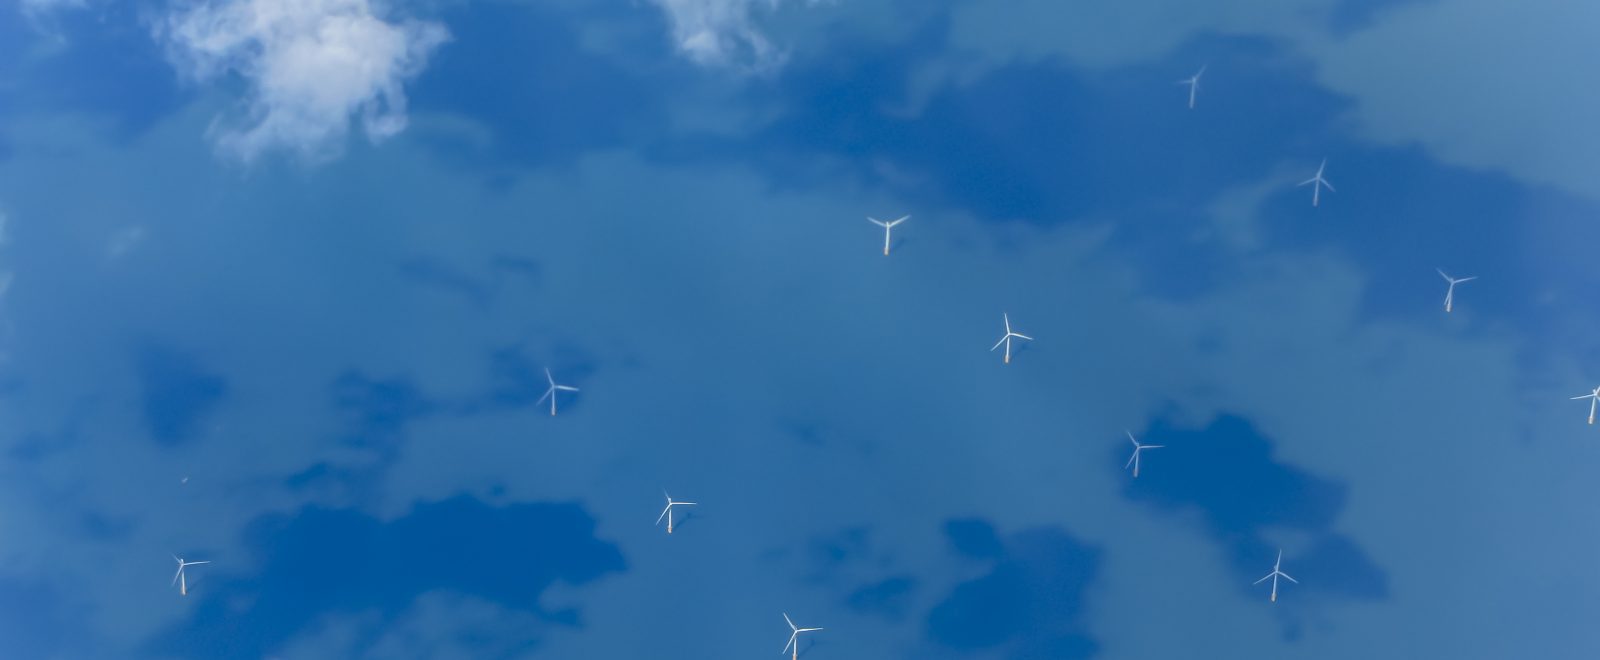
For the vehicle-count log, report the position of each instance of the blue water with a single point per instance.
(319, 365)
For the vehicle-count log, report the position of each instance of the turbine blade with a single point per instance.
(175, 575)
(1262, 579)
(566, 388)
(192, 563)
(663, 514)
(1151, 446)
(791, 642)
(1130, 437)
(787, 620)
(998, 343)
(548, 377)
(1310, 180)
(547, 394)
(1466, 279)
(1286, 577)
(1131, 459)
(1329, 186)
(1018, 334)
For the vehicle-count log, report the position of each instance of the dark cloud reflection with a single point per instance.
(322, 561)
(1247, 498)
(1031, 602)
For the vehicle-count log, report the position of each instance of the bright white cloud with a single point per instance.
(722, 32)
(313, 67)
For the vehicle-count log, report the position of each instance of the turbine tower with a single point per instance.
(1006, 340)
(667, 512)
(1275, 574)
(551, 393)
(887, 227)
(794, 637)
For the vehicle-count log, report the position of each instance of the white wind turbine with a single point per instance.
(887, 227)
(179, 578)
(794, 637)
(667, 512)
(1134, 460)
(551, 393)
(1318, 183)
(1275, 574)
(1450, 293)
(1008, 336)
(1194, 84)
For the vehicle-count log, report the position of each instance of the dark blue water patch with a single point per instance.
(1043, 143)
(103, 527)
(436, 274)
(177, 392)
(321, 561)
(851, 544)
(517, 380)
(1356, 576)
(110, 67)
(1226, 472)
(377, 410)
(1030, 604)
(33, 445)
(36, 622)
(1350, 16)
(521, 72)
(1399, 214)
(482, 292)
(889, 597)
(973, 537)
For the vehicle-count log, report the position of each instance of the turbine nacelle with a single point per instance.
(1594, 400)
(180, 578)
(1006, 339)
(1318, 183)
(887, 228)
(1133, 460)
(1194, 84)
(794, 636)
(1450, 293)
(1274, 575)
(667, 512)
(551, 393)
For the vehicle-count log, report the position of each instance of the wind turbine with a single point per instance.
(887, 226)
(1194, 84)
(1594, 398)
(1316, 190)
(1275, 574)
(551, 393)
(179, 578)
(794, 637)
(667, 512)
(1007, 338)
(1450, 294)
(1134, 460)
